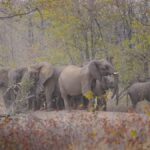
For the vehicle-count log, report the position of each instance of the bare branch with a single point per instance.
(19, 15)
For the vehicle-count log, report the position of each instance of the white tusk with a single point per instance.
(115, 73)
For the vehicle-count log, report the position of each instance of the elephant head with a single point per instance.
(98, 69)
(16, 75)
(111, 82)
(42, 72)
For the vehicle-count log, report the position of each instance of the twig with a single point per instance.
(19, 15)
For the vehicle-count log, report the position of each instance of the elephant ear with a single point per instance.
(46, 72)
(95, 70)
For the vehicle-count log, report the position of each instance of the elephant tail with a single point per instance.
(127, 99)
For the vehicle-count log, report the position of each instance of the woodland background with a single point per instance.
(76, 31)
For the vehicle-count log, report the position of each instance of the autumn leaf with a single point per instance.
(133, 134)
(89, 95)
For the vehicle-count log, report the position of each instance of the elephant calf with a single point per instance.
(139, 91)
(108, 82)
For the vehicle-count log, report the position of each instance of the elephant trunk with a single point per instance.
(116, 87)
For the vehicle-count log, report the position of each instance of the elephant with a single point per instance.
(10, 95)
(39, 84)
(108, 82)
(22, 90)
(52, 90)
(44, 77)
(15, 75)
(8, 77)
(139, 91)
(74, 81)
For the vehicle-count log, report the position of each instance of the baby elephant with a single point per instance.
(139, 91)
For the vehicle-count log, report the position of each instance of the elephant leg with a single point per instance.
(133, 100)
(49, 102)
(104, 105)
(66, 101)
(37, 104)
(84, 102)
(31, 102)
(134, 103)
(60, 103)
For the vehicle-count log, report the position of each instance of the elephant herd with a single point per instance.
(46, 86)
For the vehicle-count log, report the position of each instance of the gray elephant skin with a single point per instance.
(100, 89)
(75, 80)
(16, 75)
(10, 95)
(8, 77)
(52, 90)
(138, 92)
(44, 78)
(108, 82)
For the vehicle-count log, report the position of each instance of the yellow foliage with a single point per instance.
(133, 134)
(89, 95)
(95, 102)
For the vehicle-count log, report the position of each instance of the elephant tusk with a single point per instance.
(115, 73)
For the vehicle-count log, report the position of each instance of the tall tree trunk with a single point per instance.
(30, 31)
(91, 23)
(87, 55)
(146, 69)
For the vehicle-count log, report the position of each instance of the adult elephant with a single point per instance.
(8, 77)
(52, 90)
(75, 80)
(10, 95)
(139, 91)
(44, 77)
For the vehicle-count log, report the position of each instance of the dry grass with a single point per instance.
(75, 130)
